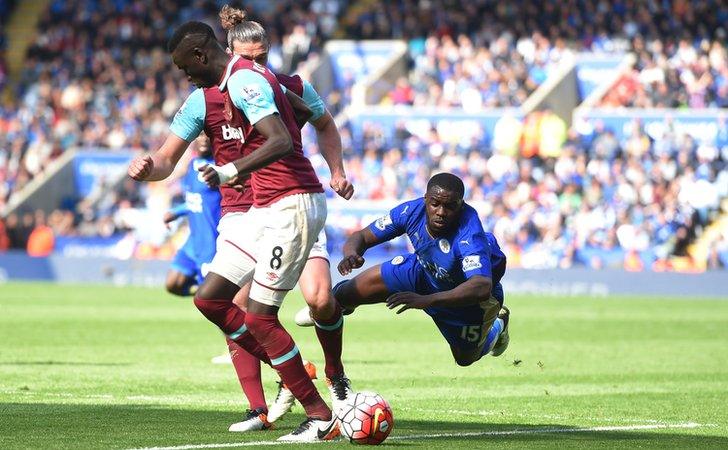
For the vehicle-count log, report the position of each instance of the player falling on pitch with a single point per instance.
(454, 274)
(269, 244)
(250, 40)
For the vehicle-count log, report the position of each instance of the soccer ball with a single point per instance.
(366, 419)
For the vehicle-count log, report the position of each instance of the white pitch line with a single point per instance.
(451, 435)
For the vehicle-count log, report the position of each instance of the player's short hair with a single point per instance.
(200, 31)
(448, 182)
(234, 21)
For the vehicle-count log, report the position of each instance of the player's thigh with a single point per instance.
(241, 298)
(466, 328)
(236, 247)
(315, 282)
(291, 227)
(366, 288)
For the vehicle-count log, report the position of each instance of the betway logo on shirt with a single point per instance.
(231, 133)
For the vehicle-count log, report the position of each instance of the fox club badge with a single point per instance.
(444, 245)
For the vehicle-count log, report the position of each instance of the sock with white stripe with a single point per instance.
(286, 359)
(330, 334)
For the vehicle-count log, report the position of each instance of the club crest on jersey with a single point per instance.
(231, 133)
(397, 260)
(444, 245)
(383, 222)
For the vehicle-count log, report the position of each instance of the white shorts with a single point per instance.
(270, 245)
(319, 247)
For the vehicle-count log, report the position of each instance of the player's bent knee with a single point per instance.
(464, 362)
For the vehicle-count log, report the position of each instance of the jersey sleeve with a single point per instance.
(251, 93)
(475, 256)
(391, 225)
(314, 101)
(189, 121)
(179, 210)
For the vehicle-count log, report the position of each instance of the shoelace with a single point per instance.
(251, 414)
(305, 425)
(280, 390)
(340, 386)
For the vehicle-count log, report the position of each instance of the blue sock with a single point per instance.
(493, 335)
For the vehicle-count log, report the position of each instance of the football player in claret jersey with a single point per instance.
(454, 274)
(270, 243)
(202, 210)
(250, 40)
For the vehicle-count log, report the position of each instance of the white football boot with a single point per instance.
(303, 317)
(254, 420)
(284, 400)
(340, 389)
(502, 343)
(314, 430)
(222, 359)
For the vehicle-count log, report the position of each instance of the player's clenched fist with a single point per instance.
(349, 263)
(141, 167)
(214, 176)
(342, 186)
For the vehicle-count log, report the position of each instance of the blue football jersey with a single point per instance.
(202, 206)
(448, 260)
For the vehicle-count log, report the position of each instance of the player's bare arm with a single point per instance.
(329, 141)
(354, 248)
(160, 164)
(303, 113)
(277, 145)
(471, 292)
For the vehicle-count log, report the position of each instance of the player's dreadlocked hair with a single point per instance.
(448, 182)
(199, 31)
(239, 29)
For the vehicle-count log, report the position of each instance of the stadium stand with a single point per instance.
(556, 196)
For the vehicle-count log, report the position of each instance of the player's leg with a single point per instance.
(231, 268)
(247, 369)
(292, 225)
(181, 278)
(315, 284)
(504, 316)
(471, 331)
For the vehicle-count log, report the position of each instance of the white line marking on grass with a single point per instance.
(451, 435)
(491, 413)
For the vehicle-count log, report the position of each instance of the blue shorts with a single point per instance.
(463, 327)
(186, 263)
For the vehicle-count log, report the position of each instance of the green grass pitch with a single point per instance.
(101, 367)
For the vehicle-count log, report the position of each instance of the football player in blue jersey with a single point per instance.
(453, 275)
(202, 209)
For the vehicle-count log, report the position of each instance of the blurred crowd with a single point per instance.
(97, 75)
(476, 54)
(558, 197)
(678, 74)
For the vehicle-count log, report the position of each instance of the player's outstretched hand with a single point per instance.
(407, 300)
(342, 186)
(349, 263)
(140, 167)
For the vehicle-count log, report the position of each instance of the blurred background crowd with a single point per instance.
(97, 75)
